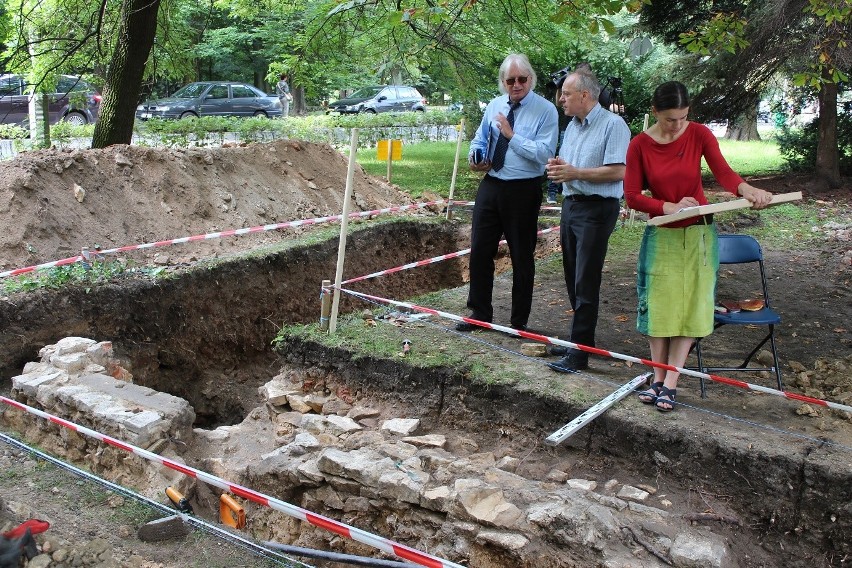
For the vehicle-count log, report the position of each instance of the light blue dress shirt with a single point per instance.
(600, 140)
(534, 142)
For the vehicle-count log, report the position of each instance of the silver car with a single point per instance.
(212, 98)
(388, 98)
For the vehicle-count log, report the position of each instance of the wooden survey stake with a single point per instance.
(720, 207)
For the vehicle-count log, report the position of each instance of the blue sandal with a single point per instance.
(650, 395)
(666, 396)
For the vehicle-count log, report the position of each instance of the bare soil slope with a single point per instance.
(54, 202)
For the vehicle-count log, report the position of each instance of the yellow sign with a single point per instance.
(382, 150)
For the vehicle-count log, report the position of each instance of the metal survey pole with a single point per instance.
(344, 224)
(455, 169)
(563, 433)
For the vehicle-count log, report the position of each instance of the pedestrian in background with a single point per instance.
(515, 139)
(282, 89)
(590, 168)
(678, 262)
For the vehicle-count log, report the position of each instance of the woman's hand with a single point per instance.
(759, 198)
(669, 208)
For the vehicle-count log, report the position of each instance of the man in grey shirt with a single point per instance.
(590, 166)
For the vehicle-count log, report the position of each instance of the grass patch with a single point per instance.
(786, 226)
(426, 168)
(77, 273)
(432, 344)
(750, 159)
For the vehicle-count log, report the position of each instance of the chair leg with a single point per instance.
(775, 357)
(754, 351)
(700, 366)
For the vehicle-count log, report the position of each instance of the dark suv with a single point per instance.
(380, 99)
(74, 101)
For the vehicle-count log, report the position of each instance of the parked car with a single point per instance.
(212, 98)
(380, 99)
(75, 100)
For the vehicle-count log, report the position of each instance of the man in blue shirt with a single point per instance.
(516, 138)
(591, 165)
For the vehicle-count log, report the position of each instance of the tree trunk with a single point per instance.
(126, 69)
(298, 106)
(744, 127)
(828, 157)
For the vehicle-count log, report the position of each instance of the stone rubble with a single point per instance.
(383, 474)
(79, 378)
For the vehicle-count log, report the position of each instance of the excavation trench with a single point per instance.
(471, 481)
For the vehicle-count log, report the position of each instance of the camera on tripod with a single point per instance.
(558, 77)
(611, 97)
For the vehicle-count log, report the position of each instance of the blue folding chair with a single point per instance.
(743, 249)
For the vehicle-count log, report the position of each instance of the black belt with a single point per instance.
(583, 197)
(520, 181)
(701, 220)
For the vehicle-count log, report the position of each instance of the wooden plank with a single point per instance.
(688, 212)
(563, 433)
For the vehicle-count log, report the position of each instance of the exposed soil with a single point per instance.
(206, 335)
(55, 202)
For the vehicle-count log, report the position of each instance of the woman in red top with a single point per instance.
(678, 262)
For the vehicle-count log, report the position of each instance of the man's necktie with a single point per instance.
(503, 142)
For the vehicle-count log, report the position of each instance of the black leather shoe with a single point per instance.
(570, 364)
(465, 327)
(558, 350)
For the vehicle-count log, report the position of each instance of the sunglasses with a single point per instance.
(511, 80)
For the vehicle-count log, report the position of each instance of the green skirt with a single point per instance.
(676, 281)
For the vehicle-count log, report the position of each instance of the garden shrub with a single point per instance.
(798, 146)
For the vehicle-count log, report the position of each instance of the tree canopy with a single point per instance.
(738, 51)
(730, 51)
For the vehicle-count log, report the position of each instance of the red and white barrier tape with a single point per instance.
(220, 234)
(605, 353)
(381, 543)
(432, 260)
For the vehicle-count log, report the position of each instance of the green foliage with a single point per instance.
(722, 32)
(63, 133)
(835, 18)
(49, 38)
(798, 146)
(331, 129)
(13, 132)
(60, 276)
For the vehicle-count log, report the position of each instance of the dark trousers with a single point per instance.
(507, 208)
(584, 233)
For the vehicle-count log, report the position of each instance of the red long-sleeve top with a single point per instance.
(673, 171)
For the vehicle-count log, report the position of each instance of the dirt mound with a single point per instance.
(54, 202)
